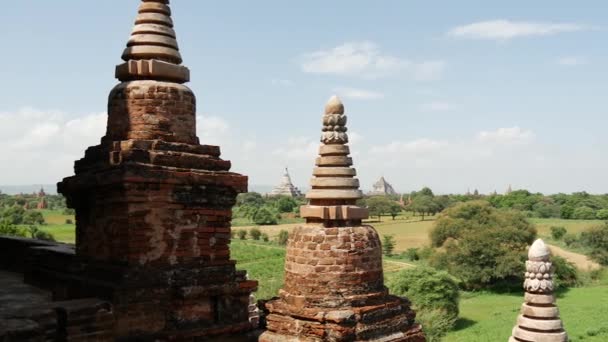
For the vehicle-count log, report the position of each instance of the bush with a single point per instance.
(33, 217)
(486, 245)
(570, 239)
(242, 234)
(6, 228)
(566, 274)
(584, 213)
(596, 238)
(388, 244)
(602, 214)
(435, 324)
(69, 221)
(283, 237)
(38, 234)
(434, 295)
(255, 233)
(412, 254)
(557, 233)
(265, 237)
(265, 216)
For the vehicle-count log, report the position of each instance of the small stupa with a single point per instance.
(539, 319)
(334, 285)
(382, 188)
(286, 187)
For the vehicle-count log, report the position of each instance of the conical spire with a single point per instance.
(334, 189)
(539, 319)
(152, 51)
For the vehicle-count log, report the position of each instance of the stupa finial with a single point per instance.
(334, 106)
(152, 52)
(539, 319)
(334, 189)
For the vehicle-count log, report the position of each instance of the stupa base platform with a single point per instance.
(386, 319)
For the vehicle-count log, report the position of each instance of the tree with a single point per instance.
(8, 229)
(584, 213)
(424, 205)
(388, 244)
(286, 204)
(379, 205)
(265, 216)
(250, 198)
(482, 245)
(435, 297)
(566, 273)
(394, 210)
(596, 238)
(242, 234)
(602, 214)
(547, 209)
(33, 217)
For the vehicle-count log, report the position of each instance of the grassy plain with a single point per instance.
(490, 317)
(484, 316)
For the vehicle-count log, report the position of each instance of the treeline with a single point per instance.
(265, 210)
(578, 205)
(54, 202)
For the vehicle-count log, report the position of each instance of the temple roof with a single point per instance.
(382, 187)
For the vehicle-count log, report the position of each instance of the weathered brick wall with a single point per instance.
(331, 267)
(151, 110)
(334, 290)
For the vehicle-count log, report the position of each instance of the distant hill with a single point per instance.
(50, 189)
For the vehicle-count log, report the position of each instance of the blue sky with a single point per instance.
(452, 95)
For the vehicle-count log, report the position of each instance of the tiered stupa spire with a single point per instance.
(152, 51)
(334, 190)
(153, 205)
(334, 285)
(539, 319)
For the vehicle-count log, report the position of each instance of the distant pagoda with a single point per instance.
(286, 187)
(42, 203)
(382, 188)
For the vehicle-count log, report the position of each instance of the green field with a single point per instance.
(57, 226)
(484, 316)
(490, 317)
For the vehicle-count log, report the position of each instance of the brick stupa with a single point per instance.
(153, 206)
(334, 287)
(539, 319)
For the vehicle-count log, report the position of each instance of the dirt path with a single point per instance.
(581, 261)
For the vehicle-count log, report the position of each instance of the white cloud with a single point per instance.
(506, 136)
(507, 29)
(571, 61)
(364, 59)
(437, 106)
(298, 149)
(41, 146)
(358, 94)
